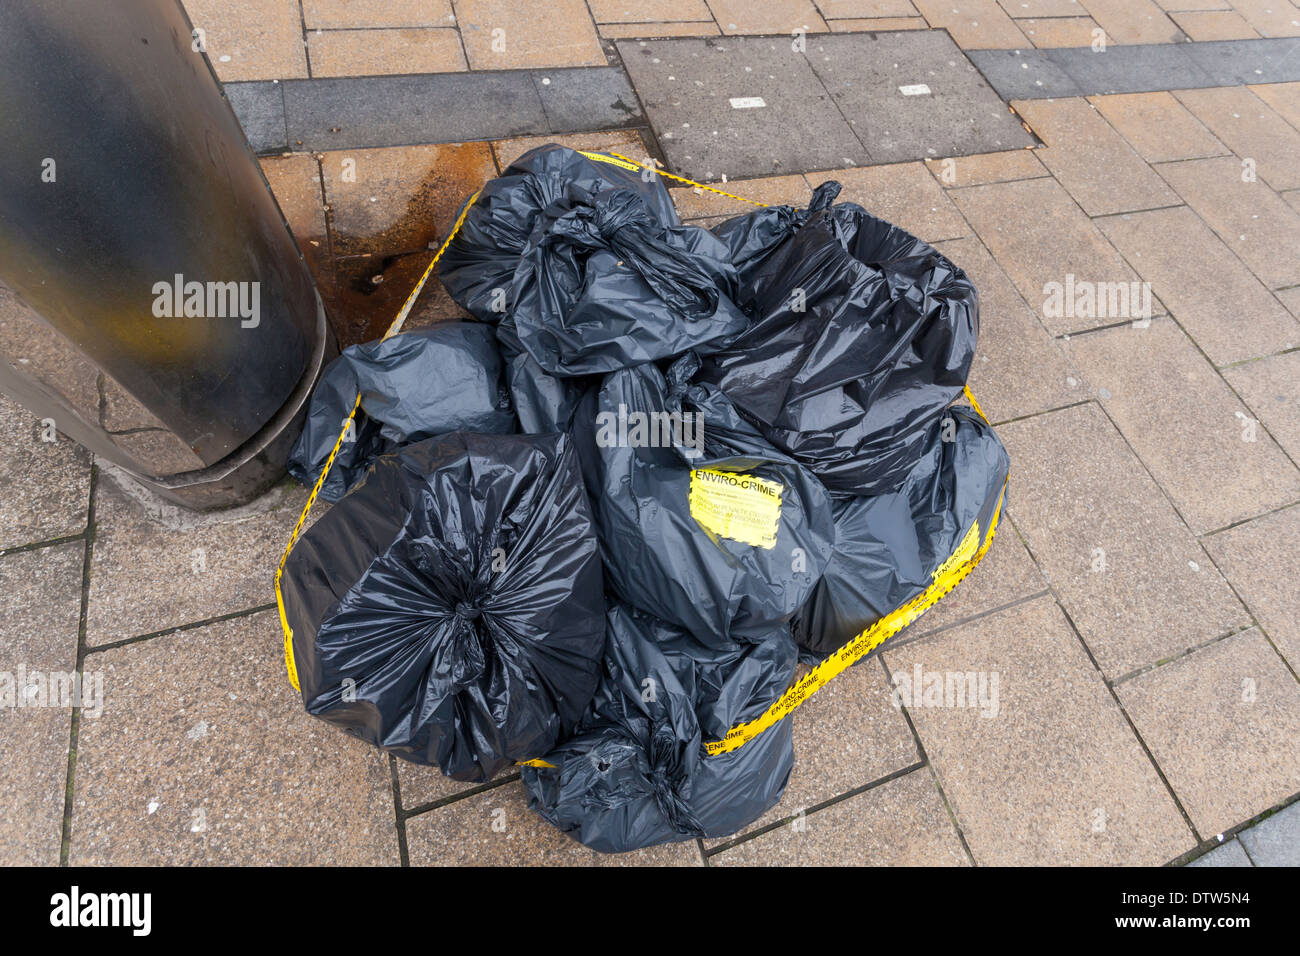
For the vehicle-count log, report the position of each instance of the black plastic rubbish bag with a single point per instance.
(862, 335)
(701, 521)
(891, 547)
(450, 608)
(448, 377)
(750, 237)
(478, 267)
(636, 774)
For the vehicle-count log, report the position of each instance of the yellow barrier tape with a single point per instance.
(683, 179)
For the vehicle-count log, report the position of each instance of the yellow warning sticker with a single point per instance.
(744, 508)
(601, 158)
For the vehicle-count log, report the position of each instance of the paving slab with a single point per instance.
(423, 785)
(627, 142)
(1134, 21)
(1234, 62)
(648, 11)
(354, 112)
(1131, 69)
(216, 763)
(881, 24)
(974, 24)
(40, 604)
(1193, 434)
(1092, 161)
(904, 194)
(902, 822)
(366, 293)
(496, 828)
(147, 575)
(846, 736)
(1008, 166)
(1261, 559)
(351, 14)
(1213, 25)
(1022, 9)
(687, 86)
(295, 182)
(385, 51)
(590, 98)
(1221, 723)
(1250, 129)
(1251, 219)
(1018, 369)
(517, 34)
(46, 483)
(1062, 32)
(251, 39)
(1226, 310)
(1271, 387)
(1084, 792)
(1275, 841)
(770, 17)
(866, 9)
(693, 203)
(1040, 236)
(1025, 73)
(687, 28)
(1159, 127)
(1228, 855)
(874, 80)
(259, 107)
(1133, 579)
(1272, 18)
(1282, 98)
(400, 199)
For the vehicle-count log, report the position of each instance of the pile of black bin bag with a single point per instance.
(600, 524)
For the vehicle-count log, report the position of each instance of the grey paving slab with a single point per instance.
(44, 485)
(259, 107)
(204, 756)
(1271, 387)
(587, 98)
(1233, 62)
(400, 110)
(1230, 854)
(40, 602)
(422, 785)
(867, 74)
(1140, 68)
(1024, 74)
(900, 823)
(688, 86)
(1276, 840)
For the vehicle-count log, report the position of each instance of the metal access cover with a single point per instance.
(758, 106)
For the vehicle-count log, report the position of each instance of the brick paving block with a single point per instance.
(1134, 580)
(627, 142)
(516, 34)
(423, 785)
(386, 51)
(845, 736)
(47, 484)
(1007, 166)
(1230, 854)
(147, 575)
(1226, 310)
(251, 39)
(1275, 841)
(1018, 369)
(1251, 219)
(1282, 98)
(1134, 21)
(648, 11)
(295, 183)
(974, 24)
(878, 24)
(1261, 559)
(496, 828)
(775, 17)
(689, 28)
(1290, 298)
(1168, 5)
(1029, 9)
(866, 9)
(1213, 25)
(205, 756)
(1272, 18)
(1093, 162)
(1222, 724)
(1159, 127)
(400, 198)
(351, 14)
(40, 604)
(1055, 774)
(1062, 31)
(1039, 236)
(1292, 198)
(693, 203)
(1271, 387)
(1189, 429)
(904, 194)
(1250, 129)
(900, 823)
